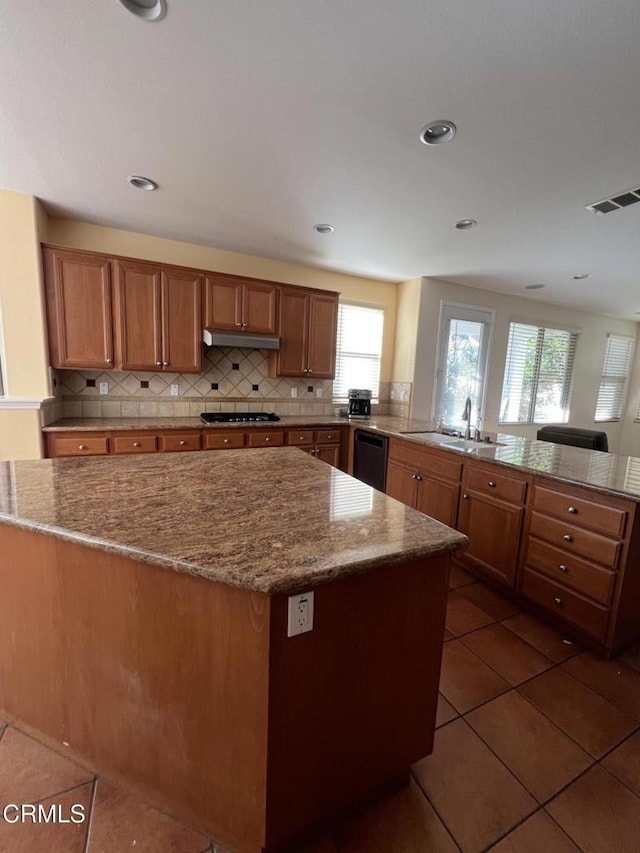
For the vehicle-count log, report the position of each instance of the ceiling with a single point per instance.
(261, 118)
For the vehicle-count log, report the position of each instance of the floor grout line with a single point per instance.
(92, 803)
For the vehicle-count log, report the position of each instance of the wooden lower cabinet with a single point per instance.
(323, 444)
(424, 479)
(494, 529)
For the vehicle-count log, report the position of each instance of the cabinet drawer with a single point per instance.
(266, 438)
(300, 436)
(574, 608)
(219, 440)
(604, 519)
(416, 458)
(575, 540)
(146, 443)
(492, 482)
(593, 581)
(180, 441)
(77, 445)
(328, 436)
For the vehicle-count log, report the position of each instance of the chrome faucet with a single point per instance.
(466, 416)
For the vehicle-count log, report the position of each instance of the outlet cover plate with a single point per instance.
(104, 387)
(300, 614)
(175, 390)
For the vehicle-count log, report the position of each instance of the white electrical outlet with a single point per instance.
(175, 390)
(294, 392)
(104, 387)
(319, 393)
(300, 615)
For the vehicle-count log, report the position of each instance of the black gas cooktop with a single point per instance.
(237, 417)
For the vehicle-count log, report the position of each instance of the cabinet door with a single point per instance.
(438, 499)
(493, 528)
(138, 329)
(223, 303)
(181, 322)
(323, 326)
(291, 358)
(259, 306)
(401, 484)
(330, 455)
(78, 295)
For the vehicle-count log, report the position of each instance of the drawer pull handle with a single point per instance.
(572, 509)
(567, 537)
(558, 600)
(182, 442)
(226, 441)
(563, 568)
(82, 447)
(136, 444)
(492, 484)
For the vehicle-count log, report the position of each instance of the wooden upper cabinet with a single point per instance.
(181, 321)
(323, 328)
(78, 297)
(137, 314)
(308, 326)
(241, 305)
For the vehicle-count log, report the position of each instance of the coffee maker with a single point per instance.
(359, 403)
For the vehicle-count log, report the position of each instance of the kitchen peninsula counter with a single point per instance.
(144, 630)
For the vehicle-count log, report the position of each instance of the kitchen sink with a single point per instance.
(464, 445)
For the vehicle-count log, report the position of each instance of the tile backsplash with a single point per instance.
(232, 380)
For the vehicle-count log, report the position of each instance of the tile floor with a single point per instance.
(537, 751)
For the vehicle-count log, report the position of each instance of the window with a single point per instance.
(613, 383)
(462, 363)
(359, 350)
(537, 375)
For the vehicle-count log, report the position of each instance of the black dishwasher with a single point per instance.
(370, 459)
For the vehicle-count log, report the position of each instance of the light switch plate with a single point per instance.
(175, 390)
(319, 393)
(104, 387)
(294, 392)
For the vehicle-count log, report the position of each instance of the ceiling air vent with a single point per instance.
(623, 199)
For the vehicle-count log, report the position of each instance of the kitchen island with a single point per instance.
(144, 630)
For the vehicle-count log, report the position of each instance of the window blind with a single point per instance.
(359, 350)
(538, 375)
(613, 382)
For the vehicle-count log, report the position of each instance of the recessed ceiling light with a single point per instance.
(323, 229)
(141, 183)
(151, 11)
(534, 286)
(582, 275)
(465, 224)
(437, 132)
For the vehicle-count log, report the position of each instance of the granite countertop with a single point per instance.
(271, 520)
(383, 422)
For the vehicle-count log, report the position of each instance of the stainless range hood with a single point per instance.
(242, 340)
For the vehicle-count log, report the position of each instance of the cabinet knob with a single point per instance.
(267, 438)
(466, 497)
(414, 476)
(572, 509)
(418, 477)
(563, 568)
(182, 442)
(159, 363)
(136, 444)
(492, 484)
(567, 537)
(329, 437)
(109, 361)
(238, 324)
(226, 441)
(243, 325)
(558, 600)
(82, 447)
(301, 438)
(309, 370)
(165, 364)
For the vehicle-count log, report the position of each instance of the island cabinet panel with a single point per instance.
(580, 561)
(323, 444)
(491, 514)
(138, 316)
(79, 316)
(427, 480)
(240, 305)
(308, 332)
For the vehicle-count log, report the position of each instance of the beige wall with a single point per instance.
(408, 311)
(593, 331)
(23, 329)
(82, 235)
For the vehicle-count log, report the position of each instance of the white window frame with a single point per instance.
(375, 392)
(617, 379)
(542, 326)
(476, 314)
